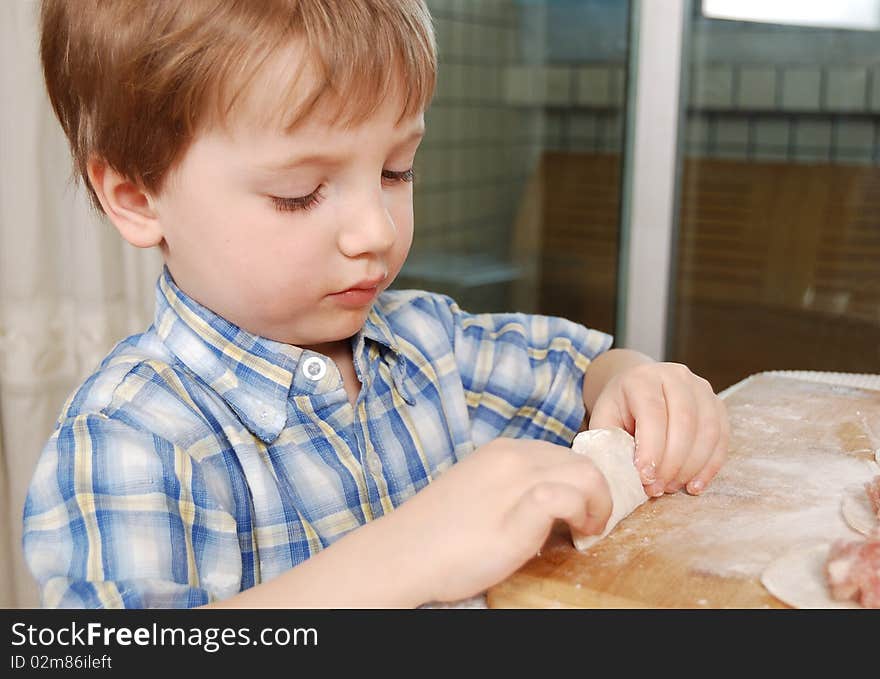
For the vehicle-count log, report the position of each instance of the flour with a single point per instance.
(779, 502)
(803, 447)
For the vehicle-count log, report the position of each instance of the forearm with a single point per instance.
(371, 567)
(606, 366)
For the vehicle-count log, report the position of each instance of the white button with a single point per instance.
(314, 368)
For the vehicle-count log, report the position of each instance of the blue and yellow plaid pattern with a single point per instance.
(200, 460)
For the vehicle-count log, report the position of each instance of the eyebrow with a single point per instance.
(330, 160)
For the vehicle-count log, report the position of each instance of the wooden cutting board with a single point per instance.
(795, 446)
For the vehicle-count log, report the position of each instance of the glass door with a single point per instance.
(778, 231)
(517, 193)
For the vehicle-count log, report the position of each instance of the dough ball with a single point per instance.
(613, 452)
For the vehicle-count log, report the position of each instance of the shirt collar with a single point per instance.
(377, 329)
(253, 374)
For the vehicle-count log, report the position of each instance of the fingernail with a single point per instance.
(655, 489)
(695, 487)
(673, 487)
(647, 472)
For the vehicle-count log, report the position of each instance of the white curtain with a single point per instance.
(70, 287)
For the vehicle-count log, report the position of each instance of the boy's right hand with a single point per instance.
(490, 513)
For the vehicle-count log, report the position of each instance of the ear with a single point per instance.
(126, 204)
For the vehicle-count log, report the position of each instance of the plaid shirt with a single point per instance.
(200, 460)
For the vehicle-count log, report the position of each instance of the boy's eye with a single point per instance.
(394, 177)
(308, 202)
(300, 203)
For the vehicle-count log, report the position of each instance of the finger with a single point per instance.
(646, 403)
(706, 437)
(606, 415)
(719, 455)
(543, 455)
(580, 473)
(532, 517)
(585, 478)
(681, 428)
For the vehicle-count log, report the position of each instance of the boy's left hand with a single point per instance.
(679, 424)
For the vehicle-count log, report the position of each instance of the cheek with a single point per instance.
(210, 230)
(298, 257)
(276, 245)
(399, 252)
(403, 221)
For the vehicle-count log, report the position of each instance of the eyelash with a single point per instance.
(312, 200)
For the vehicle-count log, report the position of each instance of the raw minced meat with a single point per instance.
(853, 571)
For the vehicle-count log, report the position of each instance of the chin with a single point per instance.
(357, 322)
(338, 325)
(344, 325)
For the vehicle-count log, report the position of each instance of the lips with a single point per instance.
(365, 285)
(360, 295)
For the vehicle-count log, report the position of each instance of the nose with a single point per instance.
(369, 228)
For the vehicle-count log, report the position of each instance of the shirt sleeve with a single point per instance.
(523, 374)
(116, 517)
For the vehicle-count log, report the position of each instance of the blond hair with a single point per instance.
(133, 81)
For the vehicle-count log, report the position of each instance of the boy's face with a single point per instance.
(292, 235)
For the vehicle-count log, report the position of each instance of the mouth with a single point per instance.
(361, 293)
(365, 285)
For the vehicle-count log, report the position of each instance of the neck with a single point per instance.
(332, 349)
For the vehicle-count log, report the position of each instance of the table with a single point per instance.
(797, 440)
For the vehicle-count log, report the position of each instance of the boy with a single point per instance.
(288, 433)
